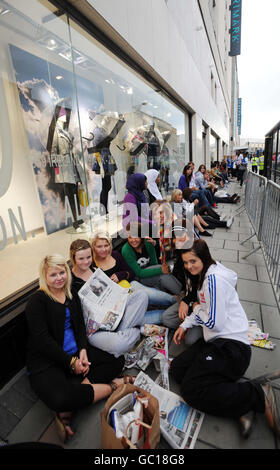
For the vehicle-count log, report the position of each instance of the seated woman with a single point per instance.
(221, 196)
(114, 266)
(135, 315)
(152, 192)
(204, 196)
(201, 182)
(64, 370)
(216, 174)
(162, 216)
(212, 385)
(135, 206)
(210, 218)
(187, 209)
(140, 255)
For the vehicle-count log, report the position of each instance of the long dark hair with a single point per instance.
(187, 177)
(201, 250)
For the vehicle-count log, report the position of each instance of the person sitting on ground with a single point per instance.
(212, 385)
(162, 216)
(216, 174)
(64, 370)
(206, 215)
(115, 266)
(121, 340)
(203, 183)
(173, 316)
(140, 255)
(135, 206)
(152, 192)
(224, 172)
(204, 196)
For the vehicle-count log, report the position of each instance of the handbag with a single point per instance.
(141, 431)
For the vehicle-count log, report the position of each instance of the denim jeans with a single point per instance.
(200, 195)
(155, 296)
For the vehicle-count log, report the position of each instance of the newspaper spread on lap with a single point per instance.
(103, 303)
(179, 423)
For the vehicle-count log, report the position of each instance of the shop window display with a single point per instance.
(78, 122)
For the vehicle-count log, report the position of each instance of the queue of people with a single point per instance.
(173, 281)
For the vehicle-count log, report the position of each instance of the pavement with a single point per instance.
(24, 418)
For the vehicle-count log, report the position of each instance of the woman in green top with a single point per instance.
(140, 255)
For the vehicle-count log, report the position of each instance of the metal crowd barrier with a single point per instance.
(270, 234)
(255, 190)
(262, 203)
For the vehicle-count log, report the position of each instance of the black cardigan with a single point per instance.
(46, 323)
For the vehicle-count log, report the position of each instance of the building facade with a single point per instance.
(92, 91)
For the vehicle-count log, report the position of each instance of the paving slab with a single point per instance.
(215, 243)
(241, 230)
(263, 361)
(243, 271)
(242, 237)
(8, 421)
(16, 403)
(256, 259)
(256, 292)
(234, 245)
(262, 274)
(225, 234)
(224, 255)
(224, 433)
(271, 321)
(33, 424)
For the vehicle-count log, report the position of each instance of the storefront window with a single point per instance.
(77, 122)
(213, 148)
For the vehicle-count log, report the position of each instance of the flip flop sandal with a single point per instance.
(62, 423)
(246, 424)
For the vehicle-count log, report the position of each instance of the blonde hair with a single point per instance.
(78, 245)
(175, 193)
(54, 261)
(100, 236)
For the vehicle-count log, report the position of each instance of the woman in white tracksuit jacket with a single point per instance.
(209, 369)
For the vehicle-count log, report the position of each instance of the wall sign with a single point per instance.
(239, 115)
(235, 29)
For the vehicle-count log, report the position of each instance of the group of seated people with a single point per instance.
(69, 369)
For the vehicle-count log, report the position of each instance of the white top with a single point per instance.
(152, 186)
(219, 313)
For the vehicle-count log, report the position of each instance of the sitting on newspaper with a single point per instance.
(112, 315)
(210, 369)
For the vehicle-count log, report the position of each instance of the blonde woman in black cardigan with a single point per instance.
(64, 370)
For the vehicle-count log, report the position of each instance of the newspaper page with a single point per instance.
(179, 423)
(103, 303)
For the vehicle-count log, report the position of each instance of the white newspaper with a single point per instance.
(179, 423)
(103, 303)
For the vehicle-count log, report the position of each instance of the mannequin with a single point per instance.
(64, 173)
(104, 164)
(164, 159)
(154, 147)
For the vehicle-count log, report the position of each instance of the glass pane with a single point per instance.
(213, 149)
(126, 126)
(41, 154)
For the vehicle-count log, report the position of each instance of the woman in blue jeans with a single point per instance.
(204, 196)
